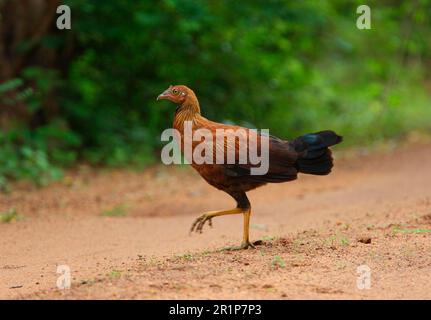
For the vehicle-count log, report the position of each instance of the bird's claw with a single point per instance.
(200, 222)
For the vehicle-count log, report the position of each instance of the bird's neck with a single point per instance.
(189, 110)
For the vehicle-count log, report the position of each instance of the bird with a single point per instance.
(308, 154)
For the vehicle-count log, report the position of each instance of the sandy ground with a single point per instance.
(125, 235)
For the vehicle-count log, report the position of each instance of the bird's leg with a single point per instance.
(199, 222)
(245, 237)
(243, 206)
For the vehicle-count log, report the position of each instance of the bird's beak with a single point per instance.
(164, 95)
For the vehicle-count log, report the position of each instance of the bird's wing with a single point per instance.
(281, 156)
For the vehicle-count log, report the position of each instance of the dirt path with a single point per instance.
(140, 248)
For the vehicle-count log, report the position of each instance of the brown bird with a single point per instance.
(306, 154)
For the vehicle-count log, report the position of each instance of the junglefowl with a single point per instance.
(308, 154)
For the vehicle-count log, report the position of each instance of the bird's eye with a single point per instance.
(175, 91)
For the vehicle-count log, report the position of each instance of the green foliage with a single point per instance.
(117, 211)
(9, 216)
(411, 231)
(19, 93)
(114, 274)
(291, 66)
(278, 262)
(27, 153)
(35, 154)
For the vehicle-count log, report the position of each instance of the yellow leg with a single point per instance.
(199, 222)
(245, 238)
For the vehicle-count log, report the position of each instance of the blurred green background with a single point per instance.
(88, 94)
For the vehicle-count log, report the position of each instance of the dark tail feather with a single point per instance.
(315, 156)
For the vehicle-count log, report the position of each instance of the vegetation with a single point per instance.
(411, 231)
(88, 94)
(117, 211)
(278, 262)
(9, 216)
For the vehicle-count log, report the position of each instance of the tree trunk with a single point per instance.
(23, 24)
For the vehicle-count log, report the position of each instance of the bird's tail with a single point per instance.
(315, 157)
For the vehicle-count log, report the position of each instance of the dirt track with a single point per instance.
(310, 228)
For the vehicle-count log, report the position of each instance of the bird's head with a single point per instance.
(177, 94)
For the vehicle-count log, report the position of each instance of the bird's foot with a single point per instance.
(199, 223)
(244, 245)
